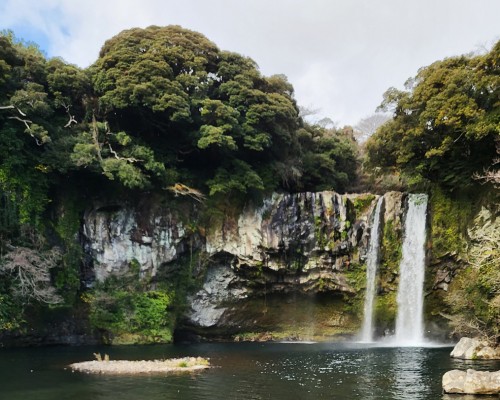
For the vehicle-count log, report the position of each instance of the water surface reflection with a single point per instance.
(246, 371)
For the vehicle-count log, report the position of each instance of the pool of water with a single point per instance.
(241, 371)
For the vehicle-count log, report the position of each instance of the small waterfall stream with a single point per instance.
(371, 274)
(410, 299)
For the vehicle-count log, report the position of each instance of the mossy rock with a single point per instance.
(385, 312)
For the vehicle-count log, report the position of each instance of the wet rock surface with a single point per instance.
(471, 382)
(475, 349)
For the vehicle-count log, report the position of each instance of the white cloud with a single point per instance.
(340, 55)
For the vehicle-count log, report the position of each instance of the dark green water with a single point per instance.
(242, 371)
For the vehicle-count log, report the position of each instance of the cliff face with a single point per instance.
(292, 266)
(463, 273)
(117, 234)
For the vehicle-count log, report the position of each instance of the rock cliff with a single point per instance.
(292, 267)
(293, 256)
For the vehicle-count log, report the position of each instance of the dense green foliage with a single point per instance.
(124, 310)
(159, 106)
(446, 125)
(176, 108)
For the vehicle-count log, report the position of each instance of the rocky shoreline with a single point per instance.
(475, 349)
(471, 381)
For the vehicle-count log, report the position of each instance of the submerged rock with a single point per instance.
(471, 382)
(475, 349)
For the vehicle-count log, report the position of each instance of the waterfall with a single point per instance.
(371, 274)
(409, 321)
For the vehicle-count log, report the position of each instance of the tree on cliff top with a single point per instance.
(446, 124)
(203, 113)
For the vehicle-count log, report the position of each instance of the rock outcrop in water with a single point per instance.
(124, 367)
(471, 382)
(475, 349)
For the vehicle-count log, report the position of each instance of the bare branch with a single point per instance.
(72, 119)
(490, 174)
(26, 122)
(11, 107)
(128, 159)
(367, 126)
(30, 270)
(180, 189)
(95, 138)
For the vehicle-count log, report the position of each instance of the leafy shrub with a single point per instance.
(122, 306)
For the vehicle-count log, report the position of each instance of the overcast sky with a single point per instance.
(340, 55)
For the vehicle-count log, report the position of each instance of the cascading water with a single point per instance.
(371, 274)
(409, 321)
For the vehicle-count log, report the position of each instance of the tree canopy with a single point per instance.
(160, 106)
(171, 107)
(446, 125)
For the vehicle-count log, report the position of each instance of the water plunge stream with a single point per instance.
(410, 299)
(371, 274)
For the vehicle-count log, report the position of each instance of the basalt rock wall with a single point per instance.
(269, 269)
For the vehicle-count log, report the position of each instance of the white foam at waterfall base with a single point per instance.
(410, 299)
(366, 334)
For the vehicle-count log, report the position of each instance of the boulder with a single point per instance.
(475, 349)
(454, 381)
(471, 382)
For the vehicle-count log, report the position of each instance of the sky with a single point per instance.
(340, 55)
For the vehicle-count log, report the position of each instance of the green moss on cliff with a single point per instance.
(361, 203)
(356, 277)
(450, 216)
(292, 317)
(390, 257)
(464, 239)
(385, 311)
(67, 225)
(475, 301)
(391, 248)
(474, 294)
